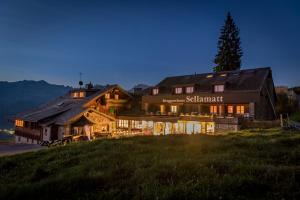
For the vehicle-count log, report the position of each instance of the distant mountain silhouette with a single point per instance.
(24, 95)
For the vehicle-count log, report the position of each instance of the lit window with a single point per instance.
(123, 123)
(19, 123)
(178, 90)
(213, 109)
(223, 75)
(81, 94)
(137, 124)
(209, 76)
(75, 95)
(155, 91)
(174, 109)
(240, 109)
(162, 108)
(189, 90)
(230, 109)
(116, 96)
(107, 96)
(219, 88)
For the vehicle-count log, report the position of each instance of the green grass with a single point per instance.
(260, 164)
(296, 116)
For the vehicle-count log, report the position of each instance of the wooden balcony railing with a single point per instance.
(27, 132)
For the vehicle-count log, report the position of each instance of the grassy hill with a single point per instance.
(263, 164)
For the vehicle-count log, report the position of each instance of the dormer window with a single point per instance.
(81, 94)
(155, 91)
(189, 89)
(78, 94)
(107, 96)
(75, 95)
(178, 90)
(218, 88)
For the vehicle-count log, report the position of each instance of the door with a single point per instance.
(54, 132)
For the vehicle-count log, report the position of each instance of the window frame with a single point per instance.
(191, 91)
(174, 110)
(219, 88)
(231, 110)
(240, 109)
(178, 90)
(155, 91)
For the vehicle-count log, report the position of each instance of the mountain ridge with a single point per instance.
(24, 95)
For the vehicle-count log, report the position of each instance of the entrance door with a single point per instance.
(54, 133)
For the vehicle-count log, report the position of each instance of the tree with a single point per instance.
(229, 50)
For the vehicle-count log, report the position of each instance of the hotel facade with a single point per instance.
(193, 104)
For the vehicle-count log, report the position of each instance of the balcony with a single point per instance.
(28, 132)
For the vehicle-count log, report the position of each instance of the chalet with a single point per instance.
(85, 111)
(199, 103)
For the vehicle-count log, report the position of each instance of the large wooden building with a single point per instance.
(199, 103)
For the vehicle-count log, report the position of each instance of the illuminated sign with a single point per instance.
(196, 99)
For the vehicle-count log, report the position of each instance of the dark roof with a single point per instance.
(61, 109)
(296, 89)
(246, 80)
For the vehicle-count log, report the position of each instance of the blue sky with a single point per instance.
(131, 42)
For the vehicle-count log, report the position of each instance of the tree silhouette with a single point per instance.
(229, 50)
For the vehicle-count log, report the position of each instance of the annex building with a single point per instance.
(192, 104)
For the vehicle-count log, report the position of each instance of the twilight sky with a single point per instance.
(130, 42)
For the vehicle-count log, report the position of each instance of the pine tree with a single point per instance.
(229, 50)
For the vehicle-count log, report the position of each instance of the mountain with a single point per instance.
(24, 95)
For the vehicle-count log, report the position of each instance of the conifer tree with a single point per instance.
(229, 50)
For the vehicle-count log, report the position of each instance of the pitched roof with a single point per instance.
(239, 80)
(60, 110)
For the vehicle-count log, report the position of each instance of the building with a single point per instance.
(199, 103)
(281, 89)
(85, 111)
(294, 95)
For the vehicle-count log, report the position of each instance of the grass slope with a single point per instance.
(249, 165)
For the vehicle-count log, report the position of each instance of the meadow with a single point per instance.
(251, 164)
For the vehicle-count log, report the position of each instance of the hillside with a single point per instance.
(247, 165)
(24, 95)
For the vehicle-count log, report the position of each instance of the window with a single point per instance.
(137, 124)
(155, 91)
(178, 90)
(223, 75)
(19, 123)
(189, 90)
(162, 108)
(81, 94)
(209, 76)
(219, 88)
(116, 96)
(174, 109)
(213, 109)
(107, 96)
(123, 123)
(75, 94)
(240, 109)
(230, 109)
